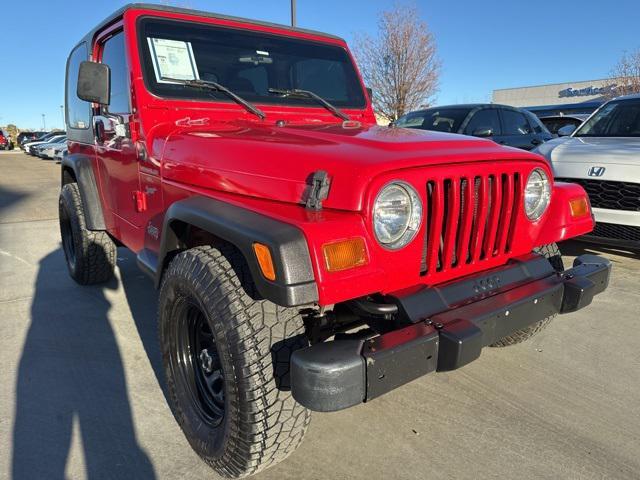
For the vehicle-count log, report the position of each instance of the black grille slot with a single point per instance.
(609, 194)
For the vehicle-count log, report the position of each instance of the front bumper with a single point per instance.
(446, 328)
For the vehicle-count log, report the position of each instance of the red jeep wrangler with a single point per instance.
(307, 259)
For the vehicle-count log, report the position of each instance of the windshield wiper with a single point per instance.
(308, 94)
(208, 85)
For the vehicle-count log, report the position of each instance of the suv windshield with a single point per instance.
(439, 119)
(248, 63)
(619, 118)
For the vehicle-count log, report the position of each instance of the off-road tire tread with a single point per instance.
(96, 253)
(267, 424)
(552, 253)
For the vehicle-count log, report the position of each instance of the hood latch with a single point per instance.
(318, 190)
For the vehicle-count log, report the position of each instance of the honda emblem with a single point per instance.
(596, 171)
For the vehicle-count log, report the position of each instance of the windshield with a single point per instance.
(619, 118)
(439, 119)
(248, 63)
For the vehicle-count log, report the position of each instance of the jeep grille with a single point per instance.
(469, 219)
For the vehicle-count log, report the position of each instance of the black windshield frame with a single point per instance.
(147, 26)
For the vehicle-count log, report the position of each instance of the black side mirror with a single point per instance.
(93, 83)
(370, 93)
(483, 132)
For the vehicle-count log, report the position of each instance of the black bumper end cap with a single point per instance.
(460, 343)
(578, 293)
(588, 277)
(329, 376)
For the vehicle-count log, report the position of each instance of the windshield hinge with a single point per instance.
(318, 190)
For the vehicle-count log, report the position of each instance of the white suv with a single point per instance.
(603, 155)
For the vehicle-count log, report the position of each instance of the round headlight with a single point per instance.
(397, 213)
(537, 194)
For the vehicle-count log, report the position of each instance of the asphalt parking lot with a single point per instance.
(81, 385)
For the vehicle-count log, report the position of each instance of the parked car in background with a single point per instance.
(25, 137)
(603, 155)
(28, 147)
(37, 149)
(5, 141)
(60, 154)
(48, 150)
(503, 124)
(555, 123)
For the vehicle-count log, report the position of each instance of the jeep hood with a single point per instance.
(276, 163)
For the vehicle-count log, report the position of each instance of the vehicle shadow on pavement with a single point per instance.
(71, 372)
(142, 299)
(576, 248)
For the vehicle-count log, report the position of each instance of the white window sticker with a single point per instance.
(172, 59)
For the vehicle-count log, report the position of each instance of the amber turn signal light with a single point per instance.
(345, 254)
(579, 207)
(263, 254)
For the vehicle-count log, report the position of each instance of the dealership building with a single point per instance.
(558, 98)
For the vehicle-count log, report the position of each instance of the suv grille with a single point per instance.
(618, 232)
(608, 194)
(469, 219)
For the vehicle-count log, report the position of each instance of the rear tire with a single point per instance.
(552, 253)
(90, 255)
(226, 359)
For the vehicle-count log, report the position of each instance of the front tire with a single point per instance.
(90, 255)
(226, 359)
(552, 253)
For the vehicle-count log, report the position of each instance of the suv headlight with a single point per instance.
(537, 194)
(397, 214)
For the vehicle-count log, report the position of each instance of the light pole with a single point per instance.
(44, 125)
(293, 13)
(62, 115)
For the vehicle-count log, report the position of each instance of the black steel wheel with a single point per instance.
(197, 362)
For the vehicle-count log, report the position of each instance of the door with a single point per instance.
(516, 130)
(115, 151)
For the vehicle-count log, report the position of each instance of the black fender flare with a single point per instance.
(82, 167)
(295, 280)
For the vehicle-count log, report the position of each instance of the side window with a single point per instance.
(78, 111)
(515, 123)
(113, 54)
(484, 119)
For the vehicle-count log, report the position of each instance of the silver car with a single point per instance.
(48, 150)
(603, 155)
(60, 153)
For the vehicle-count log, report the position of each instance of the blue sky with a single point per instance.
(483, 45)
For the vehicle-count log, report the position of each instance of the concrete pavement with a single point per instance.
(81, 385)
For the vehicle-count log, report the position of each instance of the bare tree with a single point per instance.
(400, 63)
(626, 74)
